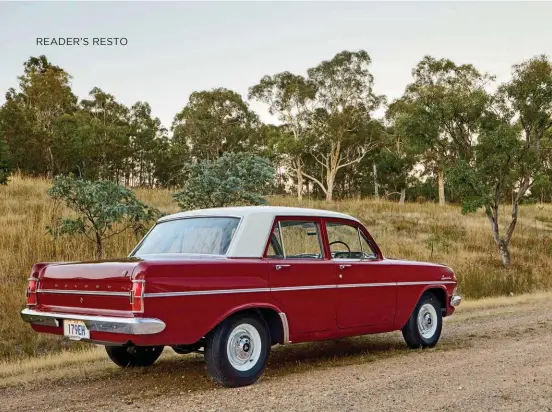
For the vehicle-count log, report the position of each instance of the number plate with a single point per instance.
(75, 330)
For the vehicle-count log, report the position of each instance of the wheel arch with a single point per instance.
(440, 292)
(274, 318)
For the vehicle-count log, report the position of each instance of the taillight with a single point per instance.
(137, 296)
(32, 298)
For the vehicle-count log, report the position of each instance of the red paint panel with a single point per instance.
(307, 310)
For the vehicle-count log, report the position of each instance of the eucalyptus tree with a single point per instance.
(513, 150)
(341, 124)
(290, 98)
(215, 121)
(327, 116)
(440, 113)
(28, 116)
(109, 132)
(5, 166)
(146, 134)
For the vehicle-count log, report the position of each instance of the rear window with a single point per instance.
(202, 235)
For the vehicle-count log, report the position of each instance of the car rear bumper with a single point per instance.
(455, 300)
(127, 326)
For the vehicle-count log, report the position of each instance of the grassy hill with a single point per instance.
(411, 231)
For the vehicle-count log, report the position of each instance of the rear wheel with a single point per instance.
(423, 328)
(237, 351)
(133, 356)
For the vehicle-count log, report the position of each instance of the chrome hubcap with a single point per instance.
(244, 347)
(427, 321)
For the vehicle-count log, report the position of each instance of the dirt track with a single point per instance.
(488, 359)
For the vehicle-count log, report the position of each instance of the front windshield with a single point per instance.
(205, 235)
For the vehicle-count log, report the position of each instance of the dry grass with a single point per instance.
(412, 231)
(93, 363)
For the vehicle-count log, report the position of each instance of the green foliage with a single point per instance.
(440, 112)
(232, 179)
(326, 122)
(214, 122)
(5, 168)
(103, 209)
(513, 149)
(494, 172)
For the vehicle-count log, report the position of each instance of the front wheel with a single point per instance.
(133, 356)
(237, 351)
(423, 328)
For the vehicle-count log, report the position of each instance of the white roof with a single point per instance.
(243, 211)
(256, 223)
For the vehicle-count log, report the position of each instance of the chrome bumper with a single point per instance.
(455, 300)
(127, 326)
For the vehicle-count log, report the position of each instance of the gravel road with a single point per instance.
(497, 359)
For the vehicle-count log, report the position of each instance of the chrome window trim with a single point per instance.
(281, 239)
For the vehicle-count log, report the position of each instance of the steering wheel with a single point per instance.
(343, 243)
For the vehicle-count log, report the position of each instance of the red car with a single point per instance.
(232, 282)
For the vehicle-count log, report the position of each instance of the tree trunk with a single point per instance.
(504, 253)
(441, 178)
(330, 179)
(403, 197)
(299, 182)
(329, 192)
(99, 249)
(50, 172)
(376, 186)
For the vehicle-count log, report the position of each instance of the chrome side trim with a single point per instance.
(427, 282)
(127, 326)
(285, 327)
(366, 285)
(82, 292)
(287, 288)
(203, 292)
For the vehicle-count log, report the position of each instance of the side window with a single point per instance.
(344, 241)
(367, 251)
(297, 240)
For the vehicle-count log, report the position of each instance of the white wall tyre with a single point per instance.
(424, 326)
(237, 351)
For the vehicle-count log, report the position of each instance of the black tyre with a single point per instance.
(423, 328)
(133, 356)
(237, 351)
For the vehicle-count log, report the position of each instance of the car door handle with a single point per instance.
(280, 267)
(341, 267)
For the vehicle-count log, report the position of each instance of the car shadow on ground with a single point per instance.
(179, 374)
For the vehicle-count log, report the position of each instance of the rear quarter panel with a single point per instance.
(188, 317)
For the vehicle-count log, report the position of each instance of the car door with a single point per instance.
(366, 291)
(302, 278)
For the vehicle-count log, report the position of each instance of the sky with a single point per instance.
(175, 49)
